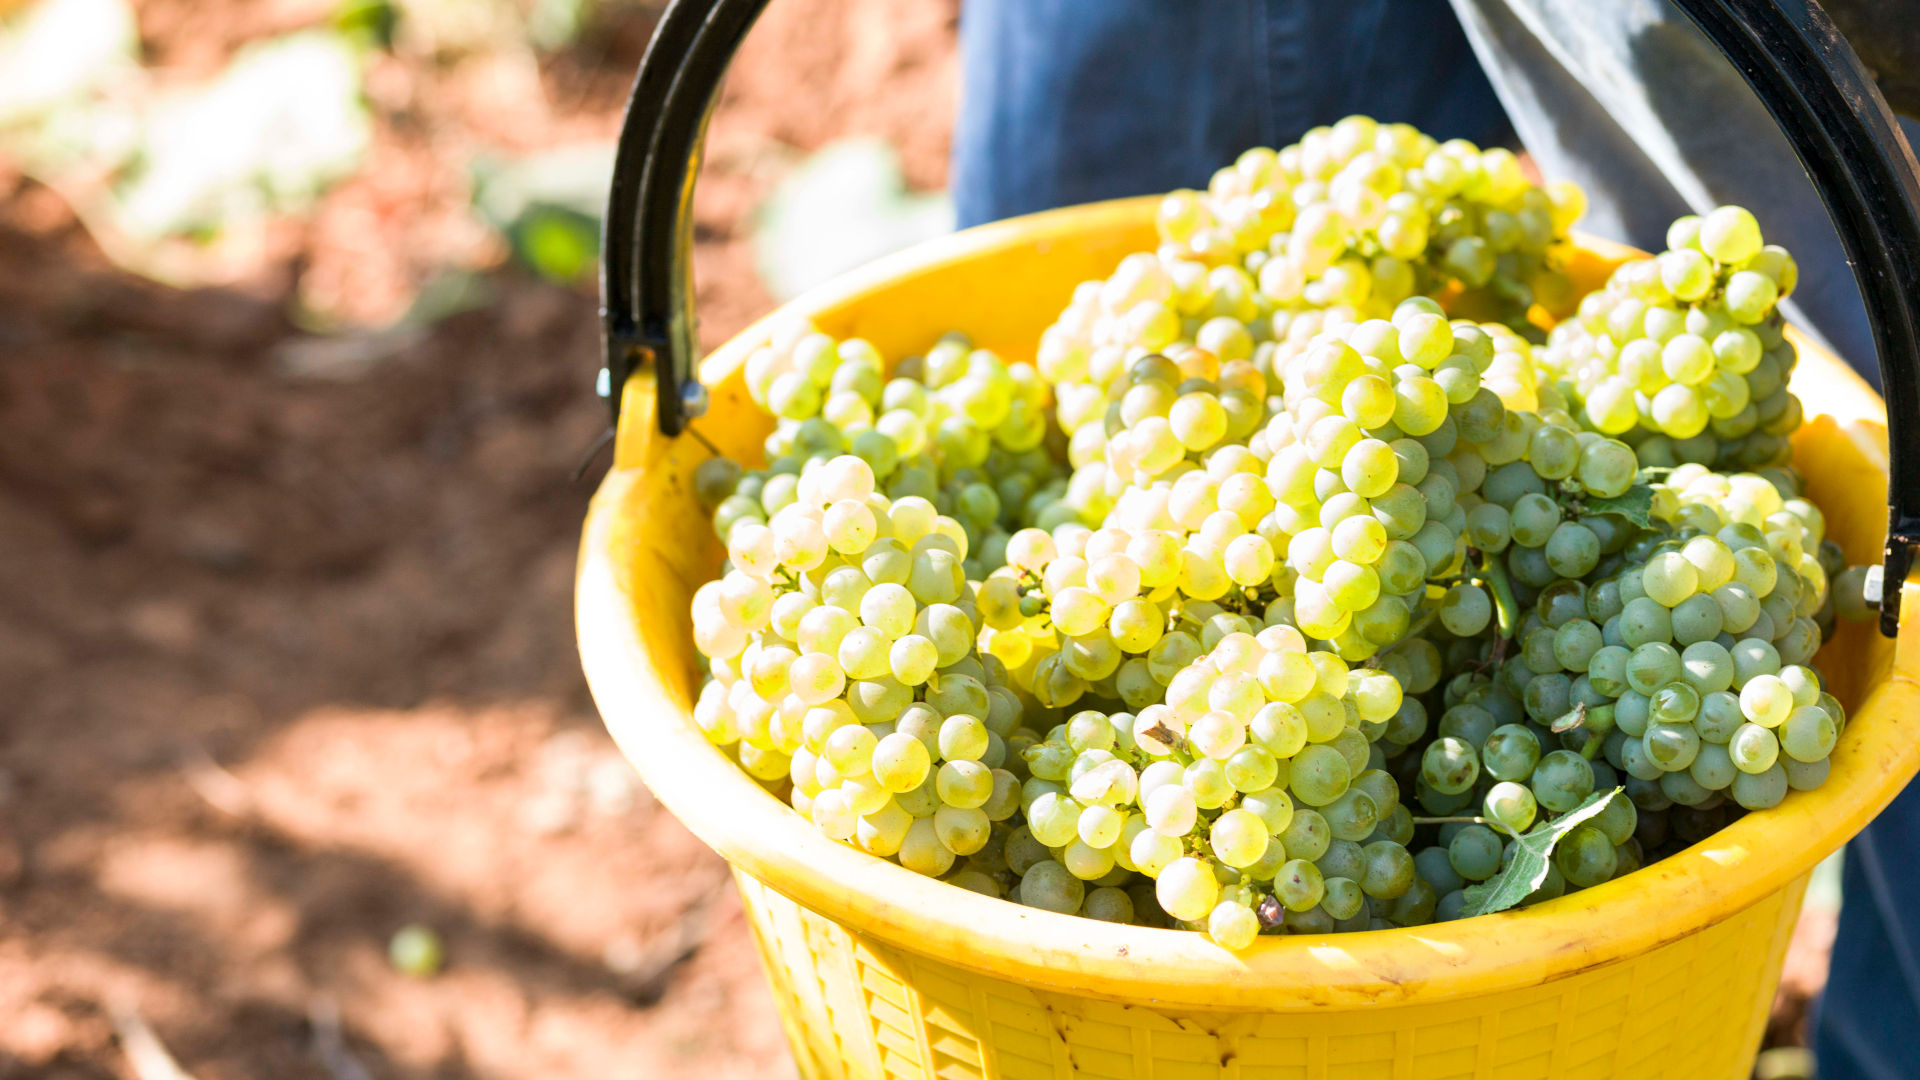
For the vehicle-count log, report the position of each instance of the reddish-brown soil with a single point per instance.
(286, 659)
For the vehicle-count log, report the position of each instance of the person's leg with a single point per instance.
(1867, 1024)
(1066, 101)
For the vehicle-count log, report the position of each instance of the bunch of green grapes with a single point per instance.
(1366, 214)
(1347, 223)
(957, 426)
(1250, 799)
(1401, 453)
(1703, 665)
(841, 644)
(1683, 354)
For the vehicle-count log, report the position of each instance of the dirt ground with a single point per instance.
(286, 651)
(287, 658)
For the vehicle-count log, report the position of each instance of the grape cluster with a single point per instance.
(957, 426)
(1683, 354)
(1348, 222)
(1249, 798)
(1270, 599)
(841, 645)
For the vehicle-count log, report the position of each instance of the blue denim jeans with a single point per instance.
(1066, 101)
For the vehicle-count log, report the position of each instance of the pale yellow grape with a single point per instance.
(966, 784)
(833, 815)
(824, 628)
(1137, 625)
(1086, 862)
(849, 526)
(882, 832)
(745, 599)
(1151, 851)
(921, 851)
(1201, 577)
(1186, 889)
(863, 653)
(1233, 925)
(1686, 358)
(1730, 235)
(1062, 573)
(1359, 539)
(1248, 560)
(1237, 694)
(1207, 780)
(1099, 826)
(1350, 585)
(768, 672)
(1077, 610)
(963, 738)
(1113, 578)
(1217, 735)
(1803, 682)
(816, 678)
(912, 659)
(900, 762)
(1286, 674)
(846, 477)
(1370, 467)
(962, 830)
(1766, 700)
(1669, 578)
(850, 749)
(1239, 838)
(1171, 810)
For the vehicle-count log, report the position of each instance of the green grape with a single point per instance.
(1754, 749)
(1720, 716)
(1561, 780)
(1299, 885)
(1319, 775)
(1674, 703)
(1671, 746)
(1510, 752)
(1652, 666)
(1450, 765)
(1585, 856)
(1050, 886)
(1474, 853)
(1808, 734)
(1760, 790)
(1352, 816)
(1389, 870)
(1511, 804)
(1307, 835)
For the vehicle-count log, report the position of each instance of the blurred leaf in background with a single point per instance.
(845, 205)
(548, 206)
(369, 21)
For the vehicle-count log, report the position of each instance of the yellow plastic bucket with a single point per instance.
(880, 972)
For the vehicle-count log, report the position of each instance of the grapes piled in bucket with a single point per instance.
(1303, 582)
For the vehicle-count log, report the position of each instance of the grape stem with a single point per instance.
(1506, 608)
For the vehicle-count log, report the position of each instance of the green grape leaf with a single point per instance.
(1636, 505)
(1528, 868)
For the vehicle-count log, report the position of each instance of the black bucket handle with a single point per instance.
(1788, 51)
